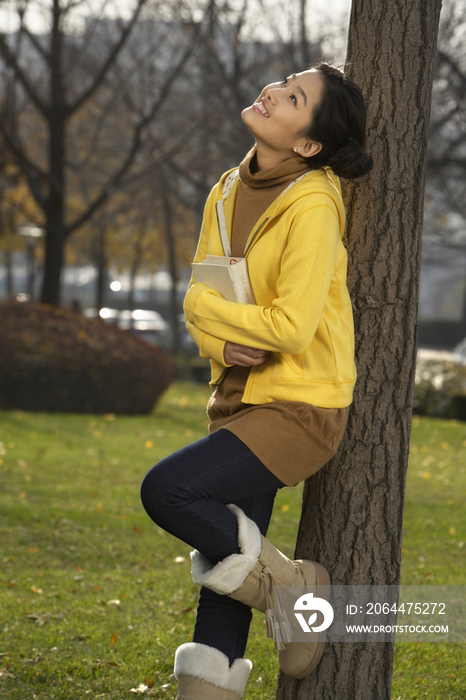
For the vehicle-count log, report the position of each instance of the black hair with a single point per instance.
(339, 124)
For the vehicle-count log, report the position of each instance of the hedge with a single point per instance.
(440, 388)
(55, 359)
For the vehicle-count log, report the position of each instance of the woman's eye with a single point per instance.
(293, 99)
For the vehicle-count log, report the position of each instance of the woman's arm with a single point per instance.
(289, 323)
(225, 353)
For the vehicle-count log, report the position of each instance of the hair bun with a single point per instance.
(350, 161)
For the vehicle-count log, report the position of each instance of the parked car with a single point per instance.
(149, 324)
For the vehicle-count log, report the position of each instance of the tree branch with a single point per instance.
(33, 39)
(35, 176)
(447, 60)
(145, 120)
(445, 160)
(106, 66)
(13, 62)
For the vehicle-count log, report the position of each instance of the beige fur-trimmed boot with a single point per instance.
(204, 673)
(250, 577)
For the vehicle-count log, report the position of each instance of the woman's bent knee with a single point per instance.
(158, 492)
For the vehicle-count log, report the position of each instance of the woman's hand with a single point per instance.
(243, 356)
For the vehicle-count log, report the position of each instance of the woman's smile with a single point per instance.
(261, 108)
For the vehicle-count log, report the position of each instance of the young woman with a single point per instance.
(283, 371)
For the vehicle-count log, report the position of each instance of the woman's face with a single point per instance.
(283, 111)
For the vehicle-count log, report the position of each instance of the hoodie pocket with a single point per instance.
(295, 362)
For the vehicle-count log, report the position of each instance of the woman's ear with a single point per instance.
(308, 149)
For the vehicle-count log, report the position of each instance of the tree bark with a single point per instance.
(353, 508)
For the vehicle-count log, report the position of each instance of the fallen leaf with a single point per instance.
(36, 590)
(114, 639)
(141, 689)
(39, 618)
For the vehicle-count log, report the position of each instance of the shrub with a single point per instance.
(440, 388)
(54, 359)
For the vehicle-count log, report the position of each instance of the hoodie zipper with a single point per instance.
(255, 234)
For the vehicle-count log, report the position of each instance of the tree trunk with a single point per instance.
(102, 269)
(305, 57)
(55, 207)
(53, 263)
(135, 265)
(7, 256)
(352, 509)
(173, 270)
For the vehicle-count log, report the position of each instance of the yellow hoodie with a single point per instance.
(297, 265)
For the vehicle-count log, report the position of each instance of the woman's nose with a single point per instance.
(273, 93)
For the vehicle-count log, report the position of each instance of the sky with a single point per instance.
(319, 11)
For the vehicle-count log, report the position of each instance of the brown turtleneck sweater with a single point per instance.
(291, 438)
(256, 192)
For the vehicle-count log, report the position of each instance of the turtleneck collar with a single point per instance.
(273, 177)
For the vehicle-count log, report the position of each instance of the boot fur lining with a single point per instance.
(212, 665)
(228, 575)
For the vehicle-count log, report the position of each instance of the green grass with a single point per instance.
(94, 598)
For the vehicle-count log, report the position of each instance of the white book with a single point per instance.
(227, 275)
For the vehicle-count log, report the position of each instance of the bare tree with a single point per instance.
(445, 211)
(447, 148)
(78, 81)
(353, 508)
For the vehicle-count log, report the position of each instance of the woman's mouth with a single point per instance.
(261, 108)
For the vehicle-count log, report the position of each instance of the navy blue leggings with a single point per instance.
(186, 494)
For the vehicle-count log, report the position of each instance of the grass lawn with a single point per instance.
(94, 598)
